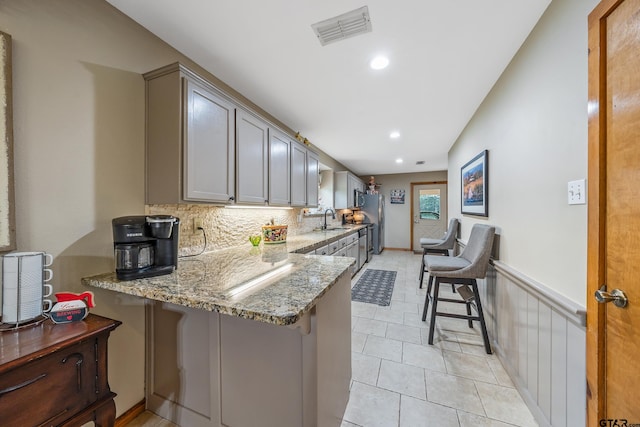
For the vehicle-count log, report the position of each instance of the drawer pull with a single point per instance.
(21, 385)
(78, 368)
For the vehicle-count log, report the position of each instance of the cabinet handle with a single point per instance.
(21, 385)
(231, 199)
(78, 368)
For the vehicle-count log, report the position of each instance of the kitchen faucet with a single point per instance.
(333, 215)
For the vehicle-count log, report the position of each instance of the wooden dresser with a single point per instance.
(56, 375)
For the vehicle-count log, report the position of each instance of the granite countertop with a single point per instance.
(309, 241)
(268, 283)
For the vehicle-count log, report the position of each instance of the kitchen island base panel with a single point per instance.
(209, 369)
(183, 358)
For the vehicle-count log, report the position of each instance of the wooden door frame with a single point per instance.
(413, 184)
(596, 267)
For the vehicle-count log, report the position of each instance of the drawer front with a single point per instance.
(49, 390)
(334, 247)
(352, 238)
(323, 250)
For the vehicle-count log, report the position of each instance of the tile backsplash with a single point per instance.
(227, 227)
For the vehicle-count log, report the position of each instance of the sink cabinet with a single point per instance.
(190, 144)
(345, 246)
(353, 251)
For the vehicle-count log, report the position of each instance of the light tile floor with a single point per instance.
(400, 380)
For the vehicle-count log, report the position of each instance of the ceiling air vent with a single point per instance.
(343, 26)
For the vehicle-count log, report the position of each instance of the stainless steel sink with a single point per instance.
(331, 229)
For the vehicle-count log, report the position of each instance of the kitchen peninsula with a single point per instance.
(248, 336)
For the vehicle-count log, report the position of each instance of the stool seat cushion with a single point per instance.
(447, 242)
(424, 241)
(435, 264)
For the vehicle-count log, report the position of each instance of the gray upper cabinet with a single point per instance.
(279, 168)
(209, 146)
(345, 184)
(202, 147)
(190, 139)
(252, 139)
(298, 175)
(313, 178)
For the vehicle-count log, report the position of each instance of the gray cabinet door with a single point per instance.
(351, 187)
(279, 168)
(209, 145)
(252, 136)
(313, 178)
(345, 183)
(298, 175)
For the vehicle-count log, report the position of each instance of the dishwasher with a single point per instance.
(363, 248)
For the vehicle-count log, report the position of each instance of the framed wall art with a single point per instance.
(474, 179)
(397, 197)
(7, 216)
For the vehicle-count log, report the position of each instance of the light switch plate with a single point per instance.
(577, 192)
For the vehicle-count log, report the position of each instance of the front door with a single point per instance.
(428, 212)
(613, 332)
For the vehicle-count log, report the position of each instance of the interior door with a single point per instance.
(613, 332)
(428, 212)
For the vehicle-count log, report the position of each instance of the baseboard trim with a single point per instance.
(131, 414)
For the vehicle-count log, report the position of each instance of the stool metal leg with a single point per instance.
(434, 309)
(424, 252)
(426, 307)
(426, 298)
(483, 326)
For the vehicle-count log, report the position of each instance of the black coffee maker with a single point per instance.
(145, 246)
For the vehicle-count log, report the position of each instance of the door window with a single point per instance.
(430, 204)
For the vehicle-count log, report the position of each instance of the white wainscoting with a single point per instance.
(539, 335)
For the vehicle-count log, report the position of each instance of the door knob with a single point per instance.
(617, 296)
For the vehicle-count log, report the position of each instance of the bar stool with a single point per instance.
(463, 270)
(439, 246)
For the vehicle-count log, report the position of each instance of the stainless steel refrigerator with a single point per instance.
(373, 211)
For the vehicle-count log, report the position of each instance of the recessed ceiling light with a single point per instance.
(379, 62)
(398, 160)
(395, 134)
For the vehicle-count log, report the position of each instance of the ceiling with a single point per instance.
(444, 58)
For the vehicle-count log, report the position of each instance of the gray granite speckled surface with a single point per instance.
(309, 241)
(215, 281)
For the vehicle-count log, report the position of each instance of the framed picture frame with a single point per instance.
(397, 197)
(7, 209)
(474, 182)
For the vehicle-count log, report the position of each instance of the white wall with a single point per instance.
(79, 145)
(534, 124)
(398, 216)
(79, 114)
